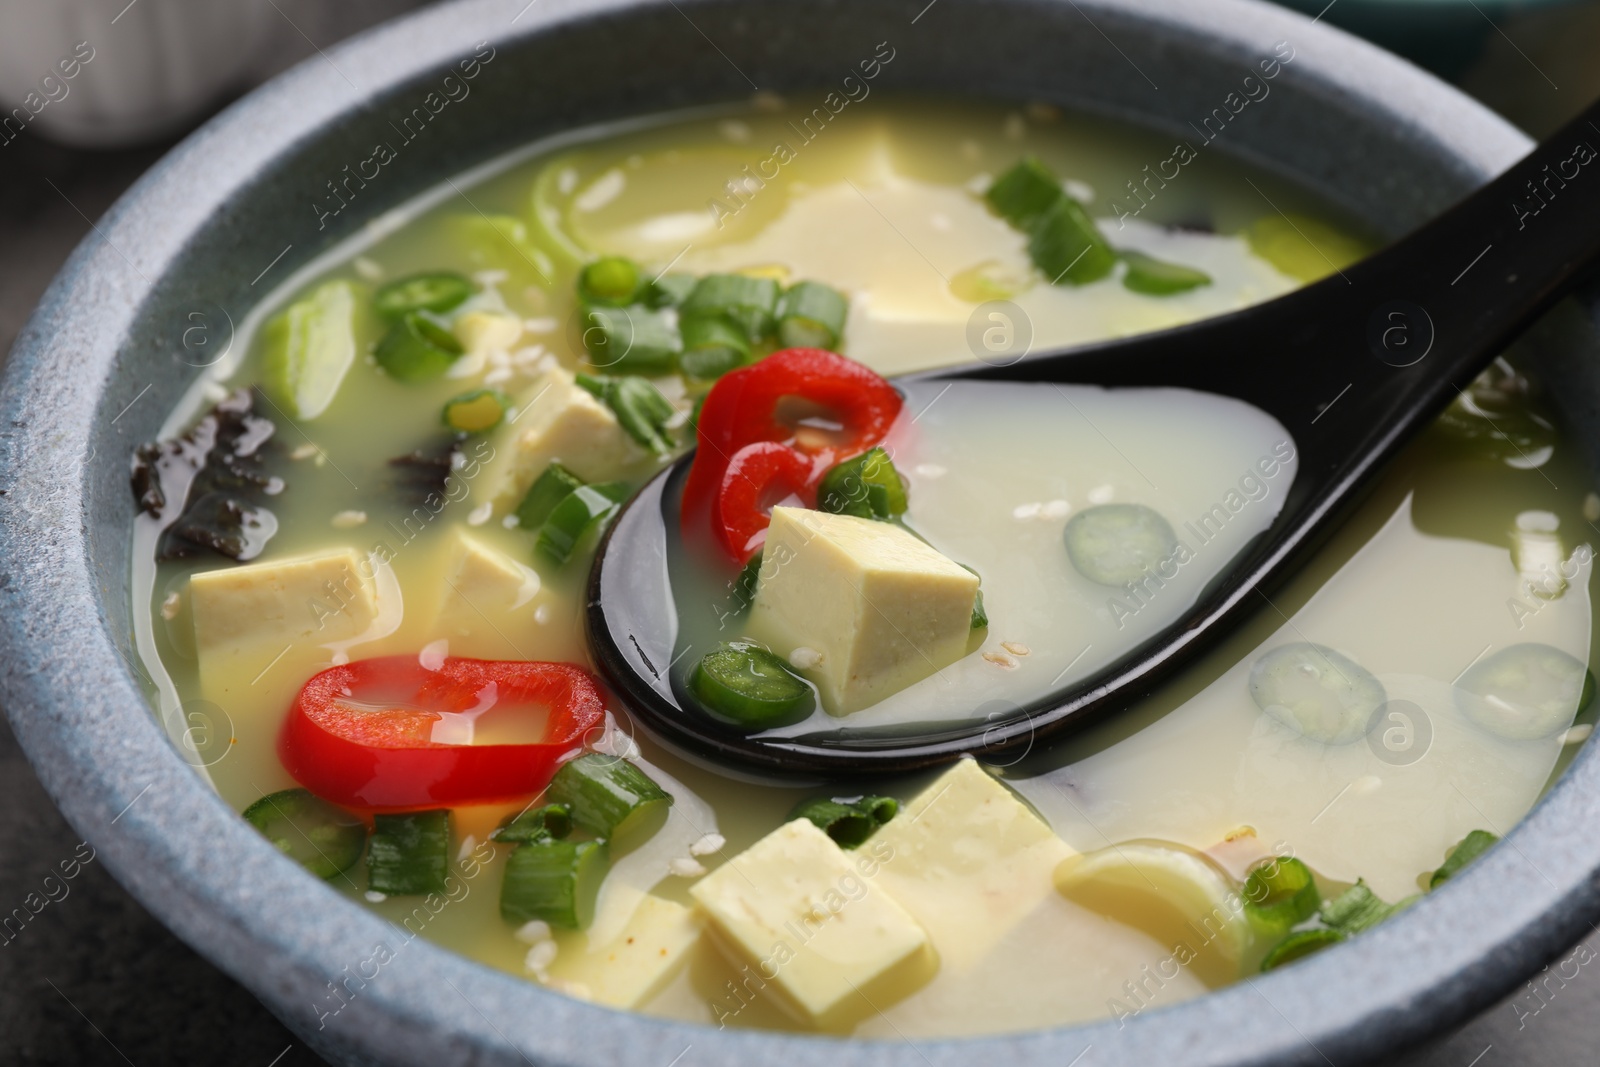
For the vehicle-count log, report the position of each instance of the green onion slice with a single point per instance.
(308, 348)
(632, 339)
(713, 345)
(640, 408)
(578, 518)
(1466, 850)
(744, 586)
(610, 281)
(554, 484)
(438, 292)
(417, 349)
(1113, 544)
(409, 853)
(1068, 247)
(1280, 893)
(811, 315)
(1023, 194)
(535, 824)
(1296, 945)
(610, 797)
(750, 302)
(1155, 277)
(476, 412)
(555, 881)
(669, 290)
(323, 839)
(751, 688)
(848, 822)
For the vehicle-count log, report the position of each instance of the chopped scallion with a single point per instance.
(554, 484)
(536, 824)
(579, 516)
(476, 412)
(309, 347)
(713, 345)
(1068, 247)
(811, 315)
(1297, 945)
(1023, 194)
(610, 797)
(553, 881)
(1155, 277)
(1467, 849)
(848, 822)
(1359, 908)
(409, 853)
(669, 290)
(1280, 893)
(640, 408)
(610, 281)
(323, 839)
(633, 339)
(438, 292)
(416, 349)
(749, 302)
(867, 487)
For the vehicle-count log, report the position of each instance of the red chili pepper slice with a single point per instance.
(758, 476)
(361, 735)
(743, 409)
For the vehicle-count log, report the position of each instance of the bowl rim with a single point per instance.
(87, 729)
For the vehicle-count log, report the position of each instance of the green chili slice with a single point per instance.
(713, 345)
(811, 315)
(416, 349)
(323, 839)
(749, 302)
(1466, 850)
(409, 853)
(437, 291)
(554, 484)
(579, 517)
(610, 797)
(751, 687)
(476, 412)
(867, 487)
(1280, 893)
(555, 881)
(1155, 277)
(1297, 945)
(535, 824)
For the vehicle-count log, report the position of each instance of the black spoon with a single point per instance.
(1352, 366)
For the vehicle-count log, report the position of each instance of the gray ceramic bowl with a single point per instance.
(102, 360)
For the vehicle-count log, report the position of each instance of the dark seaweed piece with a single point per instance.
(218, 470)
(418, 475)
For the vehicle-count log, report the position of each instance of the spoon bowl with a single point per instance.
(1351, 366)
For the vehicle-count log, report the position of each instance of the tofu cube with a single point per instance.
(479, 589)
(482, 332)
(325, 597)
(632, 968)
(969, 862)
(556, 420)
(803, 919)
(883, 608)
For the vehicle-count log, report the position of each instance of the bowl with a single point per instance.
(241, 203)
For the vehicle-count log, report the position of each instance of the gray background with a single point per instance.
(95, 980)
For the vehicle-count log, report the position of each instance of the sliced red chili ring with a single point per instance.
(757, 477)
(362, 735)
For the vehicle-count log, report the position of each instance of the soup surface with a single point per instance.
(356, 479)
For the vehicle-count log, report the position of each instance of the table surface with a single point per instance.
(94, 979)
